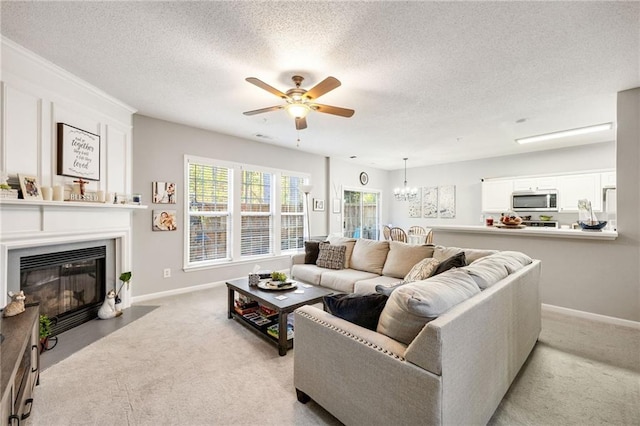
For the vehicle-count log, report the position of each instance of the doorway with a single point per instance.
(361, 214)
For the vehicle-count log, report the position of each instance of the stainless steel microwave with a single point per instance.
(535, 201)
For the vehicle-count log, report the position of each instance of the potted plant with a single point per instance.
(45, 332)
(125, 277)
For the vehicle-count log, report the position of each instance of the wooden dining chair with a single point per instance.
(429, 239)
(398, 234)
(417, 230)
(386, 232)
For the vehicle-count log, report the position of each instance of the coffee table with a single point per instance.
(311, 295)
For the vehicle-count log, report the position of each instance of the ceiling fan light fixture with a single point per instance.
(297, 110)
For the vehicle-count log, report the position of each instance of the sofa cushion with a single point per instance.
(311, 251)
(361, 309)
(403, 256)
(513, 260)
(331, 256)
(344, 279)
(369, 285)
(441, 253)
(369, 255)
(413, 305)
(487, 273)
(308, 273)
(349, 243)
(455, 261)
(422, 270)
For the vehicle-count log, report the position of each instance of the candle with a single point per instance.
(58, 193)
(47, 193)
(101, 196)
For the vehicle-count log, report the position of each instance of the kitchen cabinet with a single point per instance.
(496, 195)
(608, 179)
(572, 188)
(535, 184)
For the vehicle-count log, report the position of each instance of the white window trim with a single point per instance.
(235, 214)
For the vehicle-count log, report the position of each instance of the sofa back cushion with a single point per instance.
(413, 305)
(488, 270)
(441, 253)
(402, 257)
(369, 255)
(349, 243)
(331, 256)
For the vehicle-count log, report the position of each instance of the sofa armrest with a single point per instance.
(297, 259)
(334, 358)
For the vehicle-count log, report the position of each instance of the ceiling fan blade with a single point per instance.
(261, 84)
(301, 123)
(328, 109)
(323, 87)
(261, 110)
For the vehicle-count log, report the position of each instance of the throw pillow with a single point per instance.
(422, 270)
(387, 289)
(455, 261)
(331, 256)
(348, 242)
(363, 310)
(311, 251)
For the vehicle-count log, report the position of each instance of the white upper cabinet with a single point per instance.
(572, 188)
(496, 195)
(608, 179)
(535, 184)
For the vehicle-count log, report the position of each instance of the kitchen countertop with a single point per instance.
(529, 231)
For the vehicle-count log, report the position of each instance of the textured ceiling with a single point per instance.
(433, 81)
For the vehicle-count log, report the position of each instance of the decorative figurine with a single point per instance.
(16, 306)
(108, 308)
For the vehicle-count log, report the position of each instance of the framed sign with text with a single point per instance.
(78, 153)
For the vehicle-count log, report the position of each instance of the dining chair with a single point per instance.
(386, 232)
(417, 230)
(398, 234)
(429, 239)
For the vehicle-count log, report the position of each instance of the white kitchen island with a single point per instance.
(526, 232)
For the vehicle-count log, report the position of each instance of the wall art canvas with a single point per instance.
(447, 201)
(430, 201)
(78, 153)
(415, 206)
(164, 220)
(30, 188)
(163, 192)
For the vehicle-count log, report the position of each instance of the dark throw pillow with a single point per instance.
(361, 309)
(331, 256)
(455, 261)
(311, 251)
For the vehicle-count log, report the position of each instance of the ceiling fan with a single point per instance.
(299, 102)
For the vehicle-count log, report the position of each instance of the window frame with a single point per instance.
(235, 214)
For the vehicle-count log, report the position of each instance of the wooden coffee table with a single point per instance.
(311, 295)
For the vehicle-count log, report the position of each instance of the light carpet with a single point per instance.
(185, 363)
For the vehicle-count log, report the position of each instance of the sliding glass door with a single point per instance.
(361, 214)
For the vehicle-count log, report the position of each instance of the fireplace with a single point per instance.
(69, 281)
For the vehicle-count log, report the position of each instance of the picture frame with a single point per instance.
(164, 220)
(318, 205)
(30, 187)
(163, 192)
(78, 153)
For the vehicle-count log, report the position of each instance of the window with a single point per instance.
(209, 213)
(361, 214)
(238, 212)
(255, 207)
(291, 213)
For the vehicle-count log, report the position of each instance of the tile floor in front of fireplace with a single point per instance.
(78, 337)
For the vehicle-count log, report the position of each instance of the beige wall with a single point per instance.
(158, 150)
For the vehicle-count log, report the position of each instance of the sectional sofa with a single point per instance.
(445, 349)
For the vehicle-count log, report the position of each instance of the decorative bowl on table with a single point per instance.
(511, 220)
(545, 217)
(593, 226)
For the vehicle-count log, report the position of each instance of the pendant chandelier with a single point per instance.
(405, 193)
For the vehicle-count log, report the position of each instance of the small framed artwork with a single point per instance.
(318, 205)
(30, 187)
(78, 153)
(164, 220)
(163, 192)
(337, 204)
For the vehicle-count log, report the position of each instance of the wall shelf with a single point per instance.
(71, 204)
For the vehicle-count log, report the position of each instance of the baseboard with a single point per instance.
(152, 296)
(590, 316)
